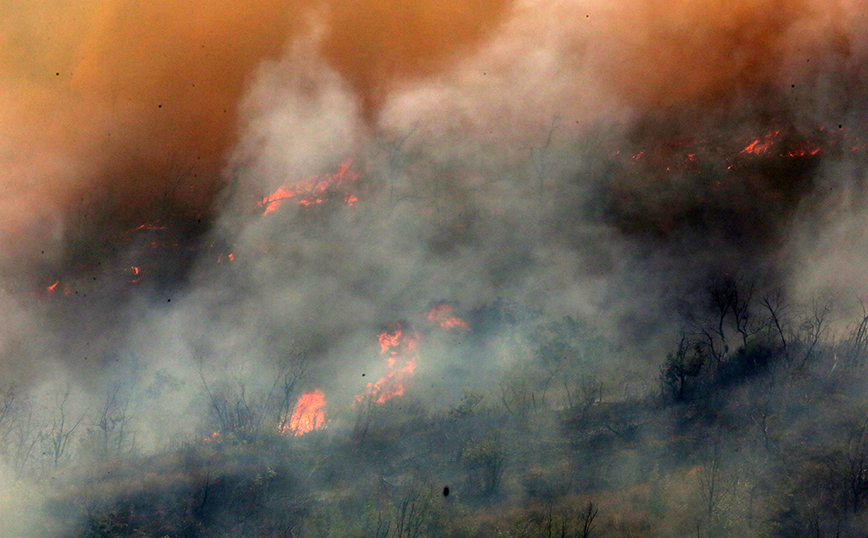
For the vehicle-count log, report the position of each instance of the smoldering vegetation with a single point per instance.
(574, 270)
(752, 424)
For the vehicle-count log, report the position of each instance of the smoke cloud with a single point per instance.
(590, 159)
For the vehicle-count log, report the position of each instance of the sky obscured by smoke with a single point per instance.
(494, 142)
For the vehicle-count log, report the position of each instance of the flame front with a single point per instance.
(309, 414)
(310, 190)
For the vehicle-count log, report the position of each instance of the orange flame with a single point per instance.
(151, 226)
(390, 340)
(53, 286)
(309, 191)
(442, 315)
(804, 152)
(400, 346)
(309, 414)
(275, 199)
(760, 146)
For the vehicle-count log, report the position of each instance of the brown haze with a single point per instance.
(537, 153)
(119, 95)
(115, 110)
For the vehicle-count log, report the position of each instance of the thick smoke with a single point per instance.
(583, 159)
(484, 134)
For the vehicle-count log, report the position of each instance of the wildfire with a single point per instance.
(309, 191)
(275, 199)
(760, 146)
(401, 347)
(309, 414)
(442, 316)
(804, 152)
(152, 226)
(65, 289)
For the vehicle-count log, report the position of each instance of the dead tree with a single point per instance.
(61, 429)
(110, 428)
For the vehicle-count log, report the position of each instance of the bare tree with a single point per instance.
(291, 370)
(814, 328)
(730, 301)
(586, 519)
(395, 160)
(563, 521)
(9, 400)
(855, 345)
(365, 407)
(412, 514)
(776, 306)
(229, 406)
(716, 487)
(540, 161)
(681, 367)
(61, 428)
(849, 468)
(20, 433)
(483, 463)
(404, 511)
(110, 430)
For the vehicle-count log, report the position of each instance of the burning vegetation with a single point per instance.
(464, 269)
(309, 414)
(398, 343)
(314, 190)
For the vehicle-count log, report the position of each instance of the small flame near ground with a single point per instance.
(309, 191)
(400, 345)
(309, 414)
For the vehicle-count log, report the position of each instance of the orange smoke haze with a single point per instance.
(374, 43)
(136, 101)
(140, 98)
(660, 52)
